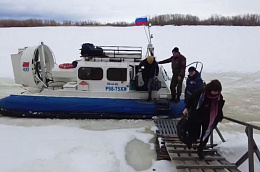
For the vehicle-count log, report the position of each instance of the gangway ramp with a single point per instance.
(169, 147)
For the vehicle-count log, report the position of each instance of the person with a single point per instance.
(150, 70)
(204, 111)
(193, 82)
(178, 69)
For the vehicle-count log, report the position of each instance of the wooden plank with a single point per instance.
(171, 136)
(179, 166)
(196, 158)
(170, 142)
(173, 155)
(212, 151)
(176, 144)
(231, 170)
(183, 162)
(203, 162)
(188, 162)
(234, 170)
(216, 163)
(193, 163)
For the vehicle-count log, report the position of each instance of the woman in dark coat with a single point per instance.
(204, 109)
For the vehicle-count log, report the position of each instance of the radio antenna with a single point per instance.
(150, 48)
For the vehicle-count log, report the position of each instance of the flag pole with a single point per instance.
(150, 45)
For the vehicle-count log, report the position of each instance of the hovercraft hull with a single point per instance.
(81, 107)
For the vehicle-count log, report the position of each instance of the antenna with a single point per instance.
(150, 48)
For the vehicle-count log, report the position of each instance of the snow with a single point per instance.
(56, 148)
(230, 54)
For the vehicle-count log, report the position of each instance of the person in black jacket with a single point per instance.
(204, 110)
(193, 82)
(150, 70)
(178, 62)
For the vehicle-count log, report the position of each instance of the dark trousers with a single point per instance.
(194, 128)
(176, 83)
(149, 86)
(203, 139)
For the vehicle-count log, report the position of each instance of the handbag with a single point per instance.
(183, 131)
(156, 85)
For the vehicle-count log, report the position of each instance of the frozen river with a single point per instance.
(229, 54)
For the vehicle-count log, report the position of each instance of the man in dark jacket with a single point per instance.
(150, 70)
(204, 110)
(193, 82)
(178, 70)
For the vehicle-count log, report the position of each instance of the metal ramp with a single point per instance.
(169, 147)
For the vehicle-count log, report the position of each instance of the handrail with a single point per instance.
(196, 65)
(252, 147)
(242, 123)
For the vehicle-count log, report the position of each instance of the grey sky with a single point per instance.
(121, 10)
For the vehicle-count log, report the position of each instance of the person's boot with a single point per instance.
(189, 145)
(177, 99)
(200, 153)
(173, 99)
(149, 98)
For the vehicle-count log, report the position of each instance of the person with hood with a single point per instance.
(193, 82)
(204, 110)
(178, 70)
(150, 70)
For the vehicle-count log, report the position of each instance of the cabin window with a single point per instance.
(117, 74)
(90, 73)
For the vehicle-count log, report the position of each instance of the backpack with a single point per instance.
(89, 49)
(188, 130)
(86, 49)
(183, 131)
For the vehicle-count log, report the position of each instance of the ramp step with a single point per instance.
(168, 146)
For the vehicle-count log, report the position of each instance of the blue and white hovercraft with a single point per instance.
(100, 85)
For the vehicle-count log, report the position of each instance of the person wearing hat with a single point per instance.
(193, 82)
(204, 111)
(150, 69)
(178, 62)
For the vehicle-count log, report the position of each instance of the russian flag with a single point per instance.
(141, 21)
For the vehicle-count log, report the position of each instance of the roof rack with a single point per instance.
(125, 52)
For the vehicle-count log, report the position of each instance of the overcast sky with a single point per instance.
(121, 10)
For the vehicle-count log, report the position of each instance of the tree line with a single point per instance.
(157, 20)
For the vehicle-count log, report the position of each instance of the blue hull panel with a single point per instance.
(21, 104)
